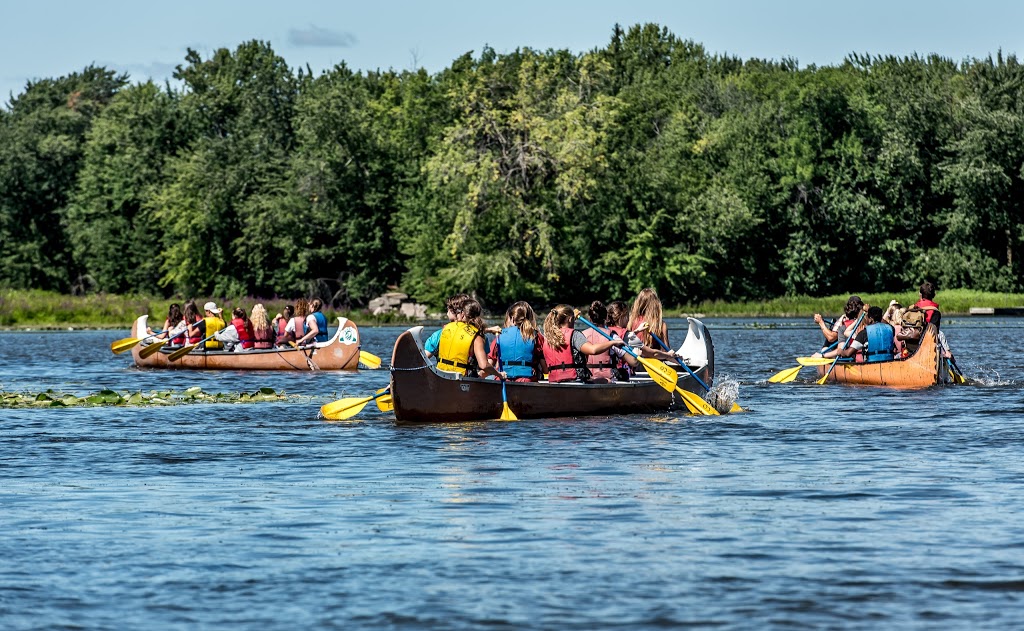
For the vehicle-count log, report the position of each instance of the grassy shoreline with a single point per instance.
(39, 310)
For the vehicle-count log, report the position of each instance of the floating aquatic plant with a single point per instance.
(195, 394)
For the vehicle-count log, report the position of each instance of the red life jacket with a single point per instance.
(244, 330)
(561, 366)
(929, 307)
(195, 339)
(300, 327)
(619, 331)
(263, 338)
(600, 365)
(179, 340)
(283, 337)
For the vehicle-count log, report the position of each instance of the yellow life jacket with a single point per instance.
(213, 324)
(454, 347)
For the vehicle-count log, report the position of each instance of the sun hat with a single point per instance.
(211, 307)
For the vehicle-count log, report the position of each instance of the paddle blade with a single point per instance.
(507, 414)
(824, 377)
(660, 372)
(384, 401)
(152, 349)
(696, 404)
(785, 376)
(369, 360)
(814, 361)
(181, 352)
(126, 344)
(736, 408)
(344, 408)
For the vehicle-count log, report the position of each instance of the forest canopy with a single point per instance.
(537, 175)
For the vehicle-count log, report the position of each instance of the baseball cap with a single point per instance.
(211, 307)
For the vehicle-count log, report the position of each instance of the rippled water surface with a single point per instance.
(822, 506)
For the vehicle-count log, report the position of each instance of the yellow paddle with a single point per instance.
(785, 376)
(506, 411)
(695, 400)
(385, 403)
(152, 349)
(129, 343)
(846, 344)
(369, 360)
(185, 350)
(814, 361)
(347, 408)
(657, 369)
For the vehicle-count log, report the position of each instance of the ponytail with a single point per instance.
(521, 316)
(556, 319)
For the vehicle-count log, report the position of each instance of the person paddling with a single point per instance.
(517, 348)
(316, 324)
(208, 326)
(565, 349)
(464, 338)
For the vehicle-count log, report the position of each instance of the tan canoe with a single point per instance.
(341, 352)
(922, 369)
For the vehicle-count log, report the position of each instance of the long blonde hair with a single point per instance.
(259, 318)
(521, 316)
(558, 318)
(647, 308)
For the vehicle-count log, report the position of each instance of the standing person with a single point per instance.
(464, 338)
(565, 348)
(284, 336)
(517, 348)
(237, 336)
(209, 325)
(262, 331)
(316, 324)
(842, 328)
(452, 306)
(647, 308)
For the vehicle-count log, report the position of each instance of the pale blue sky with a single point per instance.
(50, 38)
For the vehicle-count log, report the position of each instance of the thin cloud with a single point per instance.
(314, 36)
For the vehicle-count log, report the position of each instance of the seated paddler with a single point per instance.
(874, 342)
(464, 338)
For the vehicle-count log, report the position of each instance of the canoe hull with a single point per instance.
(922, 369)
(341, 352)
(422, 393)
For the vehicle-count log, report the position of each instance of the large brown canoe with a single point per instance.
(924, 368)
(422, 393)
(341, 352)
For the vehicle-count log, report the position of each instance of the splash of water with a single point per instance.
(724, 394)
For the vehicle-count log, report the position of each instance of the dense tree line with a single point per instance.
(543, 175)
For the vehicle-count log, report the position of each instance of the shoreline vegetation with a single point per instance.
(43, 310)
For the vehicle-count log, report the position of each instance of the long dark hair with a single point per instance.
(174, 315)
(191, 312)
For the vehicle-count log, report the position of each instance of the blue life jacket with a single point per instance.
(516, 354)
(880, 342)
(321, 323)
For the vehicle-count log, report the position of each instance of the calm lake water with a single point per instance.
(821, 507)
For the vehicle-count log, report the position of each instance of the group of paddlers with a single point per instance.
(866, 333)
(520, 351)
(298, 325)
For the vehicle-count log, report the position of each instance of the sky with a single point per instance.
(51, 38)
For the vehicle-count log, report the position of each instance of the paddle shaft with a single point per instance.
(846, 344)
(681, 363)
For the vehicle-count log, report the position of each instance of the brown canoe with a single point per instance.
(341, 352)
(924, 368)
(422, 393)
